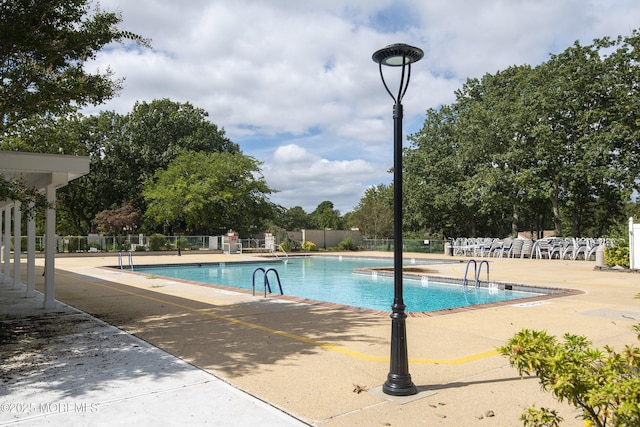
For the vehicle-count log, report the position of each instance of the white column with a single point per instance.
(1, 245)
(634, 245)
(17, 244)
(31, 253)
(7, 245)
(49, 256)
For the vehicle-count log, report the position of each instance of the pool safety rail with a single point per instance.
(265, 275)
(274, 252)
(120, 261)
(476, 271)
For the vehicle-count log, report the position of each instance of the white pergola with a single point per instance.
(47, 173)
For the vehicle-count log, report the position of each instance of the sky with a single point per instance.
(292, 82)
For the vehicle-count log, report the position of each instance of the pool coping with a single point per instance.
(552, 292)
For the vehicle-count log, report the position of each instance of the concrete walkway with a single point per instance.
(64, 367)
(322, 365)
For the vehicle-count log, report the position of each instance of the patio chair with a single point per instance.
(527, 248)
(505, 249)
(516, 248)
(548, 248)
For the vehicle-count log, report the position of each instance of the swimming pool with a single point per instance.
(332, 279)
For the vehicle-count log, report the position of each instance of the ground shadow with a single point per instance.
(235, 340)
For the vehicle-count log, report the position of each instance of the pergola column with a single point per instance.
(44, 173)
(7, 245)
(49, 249)
(17, 243)
(31, 253)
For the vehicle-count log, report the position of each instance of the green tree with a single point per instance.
(325, 216)
(575, 111)
(125, 151)
(494, 121)
(374, 213)
(150, 138)
(434, 175)
(525, 144)
(31, 200)
(294, 218)
(101, 189)
(43, 51)
(204, 192)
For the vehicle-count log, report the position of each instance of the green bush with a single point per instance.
(603, 383)
(309, 246)
(286, 245)
(617, 256)
(156, 242)
(183, 242)
(140, 248)
(347, 245)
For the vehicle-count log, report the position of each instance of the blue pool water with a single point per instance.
(332, 279)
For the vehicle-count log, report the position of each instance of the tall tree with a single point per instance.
(294, 218)
(127, 150)
(434, 175)
(44, 46)
(578, 129)
(325, 216)
(494, 122)
(374, 213)
(151, 137)
(565, 131)
(43, 51)
(202, 193)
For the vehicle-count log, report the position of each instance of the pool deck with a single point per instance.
(316, 364)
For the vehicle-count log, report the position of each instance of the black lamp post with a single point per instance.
(399, 379)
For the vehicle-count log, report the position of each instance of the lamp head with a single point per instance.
(397, 55)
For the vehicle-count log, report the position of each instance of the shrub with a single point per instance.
(183, 242)
(617, 256)
(309, 246)
(156, 242)
(286, 245)
(604, 384)
(347, 245)
(140, 248)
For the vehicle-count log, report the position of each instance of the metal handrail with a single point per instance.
(477, 270)
(265, 276)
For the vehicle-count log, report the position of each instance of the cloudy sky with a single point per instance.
(293, 83)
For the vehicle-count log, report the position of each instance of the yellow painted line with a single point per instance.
(327, 346)
(458, 361)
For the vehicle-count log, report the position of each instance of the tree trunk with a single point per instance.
(555, 204)
(515, 219)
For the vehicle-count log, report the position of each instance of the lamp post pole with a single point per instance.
(399, 381)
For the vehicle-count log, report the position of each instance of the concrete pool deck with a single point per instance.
(322, 365)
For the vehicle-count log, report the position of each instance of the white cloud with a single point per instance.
(289, 78)
(305, 179)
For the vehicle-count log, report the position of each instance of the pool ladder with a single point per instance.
(274, 252)
(476, 271)
(120, 261)
(265, 276)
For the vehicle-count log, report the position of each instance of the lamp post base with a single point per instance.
(399, 379)
(399, 385)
